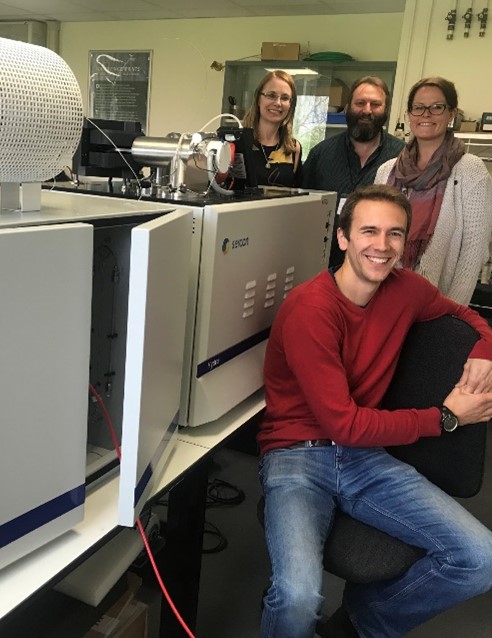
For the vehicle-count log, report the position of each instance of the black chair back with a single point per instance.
(430, 364)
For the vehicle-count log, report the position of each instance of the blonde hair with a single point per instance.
(252, 117)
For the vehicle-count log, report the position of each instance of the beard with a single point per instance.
(364, 128)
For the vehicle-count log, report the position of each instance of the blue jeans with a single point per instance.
(302, 488)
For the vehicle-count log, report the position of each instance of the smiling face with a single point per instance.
(275, 110)
(428, 127)
(366, 113)
(375, 245)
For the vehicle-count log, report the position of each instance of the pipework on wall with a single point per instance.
(468, 17)
(483, 17)
(451, 18)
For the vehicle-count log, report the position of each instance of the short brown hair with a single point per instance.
(377, 193)
(446, 86)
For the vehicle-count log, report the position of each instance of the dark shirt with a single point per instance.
(281, 166)
(333, 165)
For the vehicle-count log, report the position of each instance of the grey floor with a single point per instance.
(232, 581)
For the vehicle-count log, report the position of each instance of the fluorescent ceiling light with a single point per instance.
(296, 71)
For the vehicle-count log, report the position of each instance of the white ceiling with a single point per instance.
(98, 10)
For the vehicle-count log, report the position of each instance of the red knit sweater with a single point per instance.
(329, 362)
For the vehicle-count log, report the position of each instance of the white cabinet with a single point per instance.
(53, 342)
(45, 292)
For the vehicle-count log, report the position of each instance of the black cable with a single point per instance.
(223, 494)
(219, 494)
(212, 530)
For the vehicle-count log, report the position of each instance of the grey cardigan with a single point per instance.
(460, 244)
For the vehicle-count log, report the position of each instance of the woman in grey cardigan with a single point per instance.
(450, 192)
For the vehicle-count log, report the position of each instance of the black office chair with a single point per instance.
(430, 364)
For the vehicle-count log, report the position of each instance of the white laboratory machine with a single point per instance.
(53, 345)
(248, 258)
(163, 309)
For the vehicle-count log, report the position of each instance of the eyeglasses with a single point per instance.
(273, 97)
(434, 109)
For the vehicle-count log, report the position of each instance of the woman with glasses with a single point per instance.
(450, 192)
(276, 154)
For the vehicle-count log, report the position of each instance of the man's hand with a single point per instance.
(469, 407)
(477, 376)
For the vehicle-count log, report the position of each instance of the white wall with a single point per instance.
(465, 61)
(185, 92)
(426, 51)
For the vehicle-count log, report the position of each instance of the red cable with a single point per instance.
(108, 420)
(139, 525)
(159, 580)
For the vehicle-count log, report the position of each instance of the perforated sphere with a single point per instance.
(41, 113)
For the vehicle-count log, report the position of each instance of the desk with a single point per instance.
(49, 564)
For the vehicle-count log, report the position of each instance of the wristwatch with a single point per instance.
(449, 421)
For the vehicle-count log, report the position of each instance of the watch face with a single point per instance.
(449, 421)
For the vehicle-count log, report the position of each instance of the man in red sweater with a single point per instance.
(332, 352)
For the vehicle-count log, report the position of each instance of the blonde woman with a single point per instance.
(276, 154)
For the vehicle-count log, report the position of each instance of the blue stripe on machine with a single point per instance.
(226, 355)
(147, 473)
(41, 515)
(142, 483)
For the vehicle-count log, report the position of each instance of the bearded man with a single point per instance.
(351, 159)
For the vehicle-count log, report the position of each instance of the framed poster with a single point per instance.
(119, 84)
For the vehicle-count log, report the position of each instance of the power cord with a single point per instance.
(138, 523)
(211, 530)
(223, 494)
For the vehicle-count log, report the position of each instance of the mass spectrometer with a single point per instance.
(250, 246)
(166, 318)
(248, 249)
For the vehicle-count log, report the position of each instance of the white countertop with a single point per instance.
(59, 207)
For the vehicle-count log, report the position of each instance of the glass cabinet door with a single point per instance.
(322, 89)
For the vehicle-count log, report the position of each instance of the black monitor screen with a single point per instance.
(97, 153)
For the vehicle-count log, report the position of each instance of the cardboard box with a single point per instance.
(468, 126)
(131, 622)
(280, 50)
(127, 618)
(337, 93)
(134, 624)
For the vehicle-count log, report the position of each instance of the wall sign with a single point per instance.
(119, 83)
